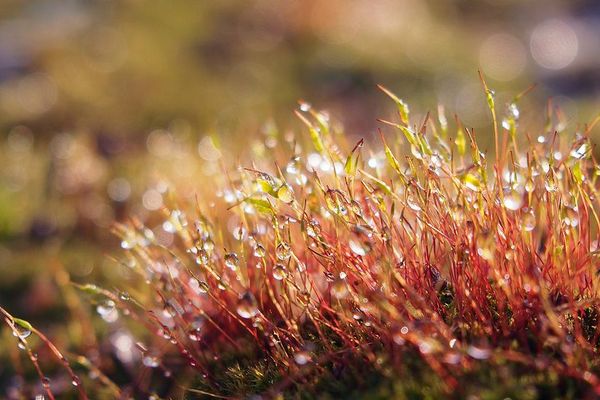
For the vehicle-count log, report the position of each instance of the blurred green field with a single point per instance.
(107, 106)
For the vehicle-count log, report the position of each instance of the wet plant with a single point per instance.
(345, 262)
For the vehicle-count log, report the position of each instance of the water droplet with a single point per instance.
(356, 207)
(240, 233)
(335, 202)
(550, 183)
(247, 307)
(360, 241)
(260, 251)
(571, 217)
(208, 245)
(198, 286)
(514, 111)
(293, 166)
(279, 272)
(313, 228)
(283, 251)
(150, 361)
(129, 241)
(202, 257)
(21, 332)
(124, 296)
(528, 221)
(530, 185)
(232, 261)
(581, 151)
(302, 357)
(305, 106)
(195, 335)
(513, 200)
(108, 311)
(169, 311)
(412, 200)
(76, 381)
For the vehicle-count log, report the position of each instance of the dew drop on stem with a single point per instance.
(247, 306)
(283, 251)
(513, 200)
(279, 272)
(259, 251)
(232, 261)
(21, 332)
(528, 221)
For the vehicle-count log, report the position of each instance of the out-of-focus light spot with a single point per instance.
(160, 143)
(314, 160)
(20, 139)
(124, 345)
(62, 145)
(152, 199)
(119, 189)
(28, 96)
(502, 57)
(373, 162)
(554, 44)
(163, 237)
(207, 149)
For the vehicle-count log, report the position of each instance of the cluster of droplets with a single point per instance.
(132, 238)
(362, 215)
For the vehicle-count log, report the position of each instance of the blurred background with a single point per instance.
(104, 104)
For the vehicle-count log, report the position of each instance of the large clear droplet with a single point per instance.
(260, 251)
(513, 200)
(550, 183)
(293, 166)
(21, 332)
(279, 272)
(232, 261)
(283, 251)
(529, 185)
(571, 217)
(247, 306)
(528, 221)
